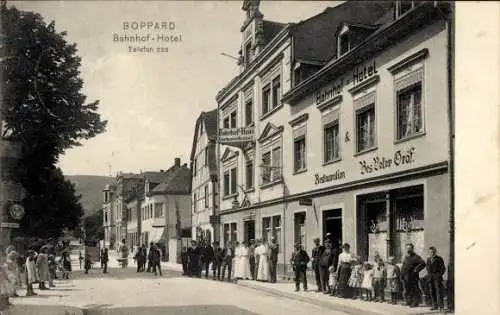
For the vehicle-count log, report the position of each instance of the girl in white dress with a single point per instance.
(367, 283)
(245, 261)
(237, 262)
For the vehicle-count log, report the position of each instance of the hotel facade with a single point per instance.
(358, 147)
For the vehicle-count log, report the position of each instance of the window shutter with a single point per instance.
(409, 80)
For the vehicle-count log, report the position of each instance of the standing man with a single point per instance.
(251, 255)
(299, 262)
(228, 262)
(193, 259)
(217, 261)
(412, 265)
(326, 259)
(208, 254)
(435, 271)
(273, 259)
(316, 254)
(105, 260)
(150, 263)
(155, 259)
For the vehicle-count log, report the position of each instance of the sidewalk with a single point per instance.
(349, 306)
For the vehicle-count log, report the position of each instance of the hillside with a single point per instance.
(90, 187)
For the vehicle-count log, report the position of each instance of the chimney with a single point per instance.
(177, 162)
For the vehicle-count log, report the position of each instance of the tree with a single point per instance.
(45, 110)
(94, 229)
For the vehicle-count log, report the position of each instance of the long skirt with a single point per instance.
(344, 274)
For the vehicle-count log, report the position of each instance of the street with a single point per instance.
(123, 291)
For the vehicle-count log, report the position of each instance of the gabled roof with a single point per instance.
(315, 38)
(269, 131)
(177, 182)
(228, 153)
(209, 120)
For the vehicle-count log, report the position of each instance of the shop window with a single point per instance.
(299, 147)
(227, 234)
(409, 111)
(300, 229)
(365, 128)
(331, 139)
(377, 228)
(234, 233)
(271, 227)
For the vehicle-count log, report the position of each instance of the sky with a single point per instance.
(152, 99)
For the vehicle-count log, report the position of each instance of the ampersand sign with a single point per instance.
(347, 139)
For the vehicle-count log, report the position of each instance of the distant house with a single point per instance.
(204, 183)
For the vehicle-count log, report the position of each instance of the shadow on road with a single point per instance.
(122, 273)
(170, 310)
(22, 309)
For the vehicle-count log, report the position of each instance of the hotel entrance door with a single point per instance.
(332, 223)
(249, 230)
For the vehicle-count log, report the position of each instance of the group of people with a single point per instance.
(37, 266)
(255, 260)
(151, 257)
(340, 273)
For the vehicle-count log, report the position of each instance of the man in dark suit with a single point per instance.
(217, 261)
(412, 265)
(299, 261)
(251, 256)
(435, 270)
(208, 257)
(316, 254)
(273, 259)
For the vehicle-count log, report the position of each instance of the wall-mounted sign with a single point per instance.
(400, 157)
(305, 202)
(236, 135)
(362, 73)
(329, 92)
(326, 178)
(359, 75)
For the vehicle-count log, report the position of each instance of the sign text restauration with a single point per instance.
(326, 178)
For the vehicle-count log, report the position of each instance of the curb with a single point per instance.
(332, 306)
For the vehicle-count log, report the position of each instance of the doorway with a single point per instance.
(300, 229)
(249, 230)
(332, 223)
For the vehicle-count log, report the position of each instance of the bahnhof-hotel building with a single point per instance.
(346, 134)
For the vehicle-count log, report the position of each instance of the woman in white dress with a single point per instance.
(263, 271)
(31, 274)
(245, 262)
(237, 262)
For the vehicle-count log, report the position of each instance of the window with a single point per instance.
(344, 45)
(195, 166)
(230, 182)
(206, 196)
(158, 210)
(271, 95)
(195, 202)
(409, 111)
(225, 123)
(249, 171)
(276, 91)
(299, 149)
(404, 6)
(248, 53)
(266, 99)
(227, 233)
(271, 228)
(331, 139)
(227, 183)
(249, 112)
(365, 127)
(233, 120)
(271, 166)
(206, 156)
(234, 181)
(234, 233)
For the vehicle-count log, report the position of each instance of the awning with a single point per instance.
(157, 235)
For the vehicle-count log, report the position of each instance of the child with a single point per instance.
(52, 270)
(356, 276)
(332, 280)
(367, 283)
(379, 276)
(393, 279)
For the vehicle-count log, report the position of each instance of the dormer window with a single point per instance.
(344, 44)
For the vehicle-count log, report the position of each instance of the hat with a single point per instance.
(316, 239)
